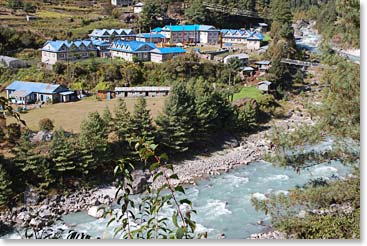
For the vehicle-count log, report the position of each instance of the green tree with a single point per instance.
(122, 121)
(283, 43)
(196, 13)
(93, 141)
(176, 124)
(141, 121)
(62, 154)
(6, 191)
(93, 131)
(107, 118)
(33, 164)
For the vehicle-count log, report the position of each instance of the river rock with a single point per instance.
(95, 211)
(36, 223)
(139, 181)
(45, 214)
(302, 214)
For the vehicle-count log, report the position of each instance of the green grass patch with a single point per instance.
(267, 37)
(52, 14)
(248, 92)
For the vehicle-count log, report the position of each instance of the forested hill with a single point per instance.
(336, 19)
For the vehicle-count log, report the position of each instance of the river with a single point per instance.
(223, 202)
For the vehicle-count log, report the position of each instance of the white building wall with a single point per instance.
(49, 57)
(253, 45)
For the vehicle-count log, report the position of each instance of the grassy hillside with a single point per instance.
(70, 115)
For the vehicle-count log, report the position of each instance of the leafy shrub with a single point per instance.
(46, 124)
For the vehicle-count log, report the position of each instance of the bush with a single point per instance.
(46, 124)
(14, 133)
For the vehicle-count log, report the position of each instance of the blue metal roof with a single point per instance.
(97, 42)
(109, 32)
(157, 29)
(181, 28)
(150, 35)
(130, 46)
(256, 36)
(33, 87)
(169, 50)
(55, 46)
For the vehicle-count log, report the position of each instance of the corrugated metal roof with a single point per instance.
(150, 35)
(32, 87)
(108, 32)
(130, 46)
(56, 45)
(8, 59)
(157, 29)
(143, 88)
(20, 93)
(239, 56)
(169, 50)
(264, 62)
(265, 82)
(181, 28)
(65, 93)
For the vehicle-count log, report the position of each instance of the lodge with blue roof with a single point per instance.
(64, 50)
(190, 33)
(23, 92)
(143, 51)
(112, 34)
(130, 50)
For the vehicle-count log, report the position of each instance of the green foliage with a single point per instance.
(122, 122)
(13, 132)
(116, 13)
(107, 118)
(6, 191)
(46, 124)
(34, 164)
(247, 116)
(176, 124)
(284, 210)
(196, 13)
(283, 44)
(141, 121)
(93, 142)
(93, 131)
(10, 40)
(62, 153)
(153, 226)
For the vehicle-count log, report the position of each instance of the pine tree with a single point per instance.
(176, 124)
(5, 185)
(93, 141)
(93, 131)
(122, 121)
(283, 43)
(35, 166)
(207, 111)
(62, 154)
(107, 118)
(141, 122)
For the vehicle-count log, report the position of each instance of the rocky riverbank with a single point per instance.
(51, 209)
(250, 149)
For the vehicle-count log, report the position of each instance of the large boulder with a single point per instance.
(139, 181)
(36, 223)
(96, 211)
(41, 136)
